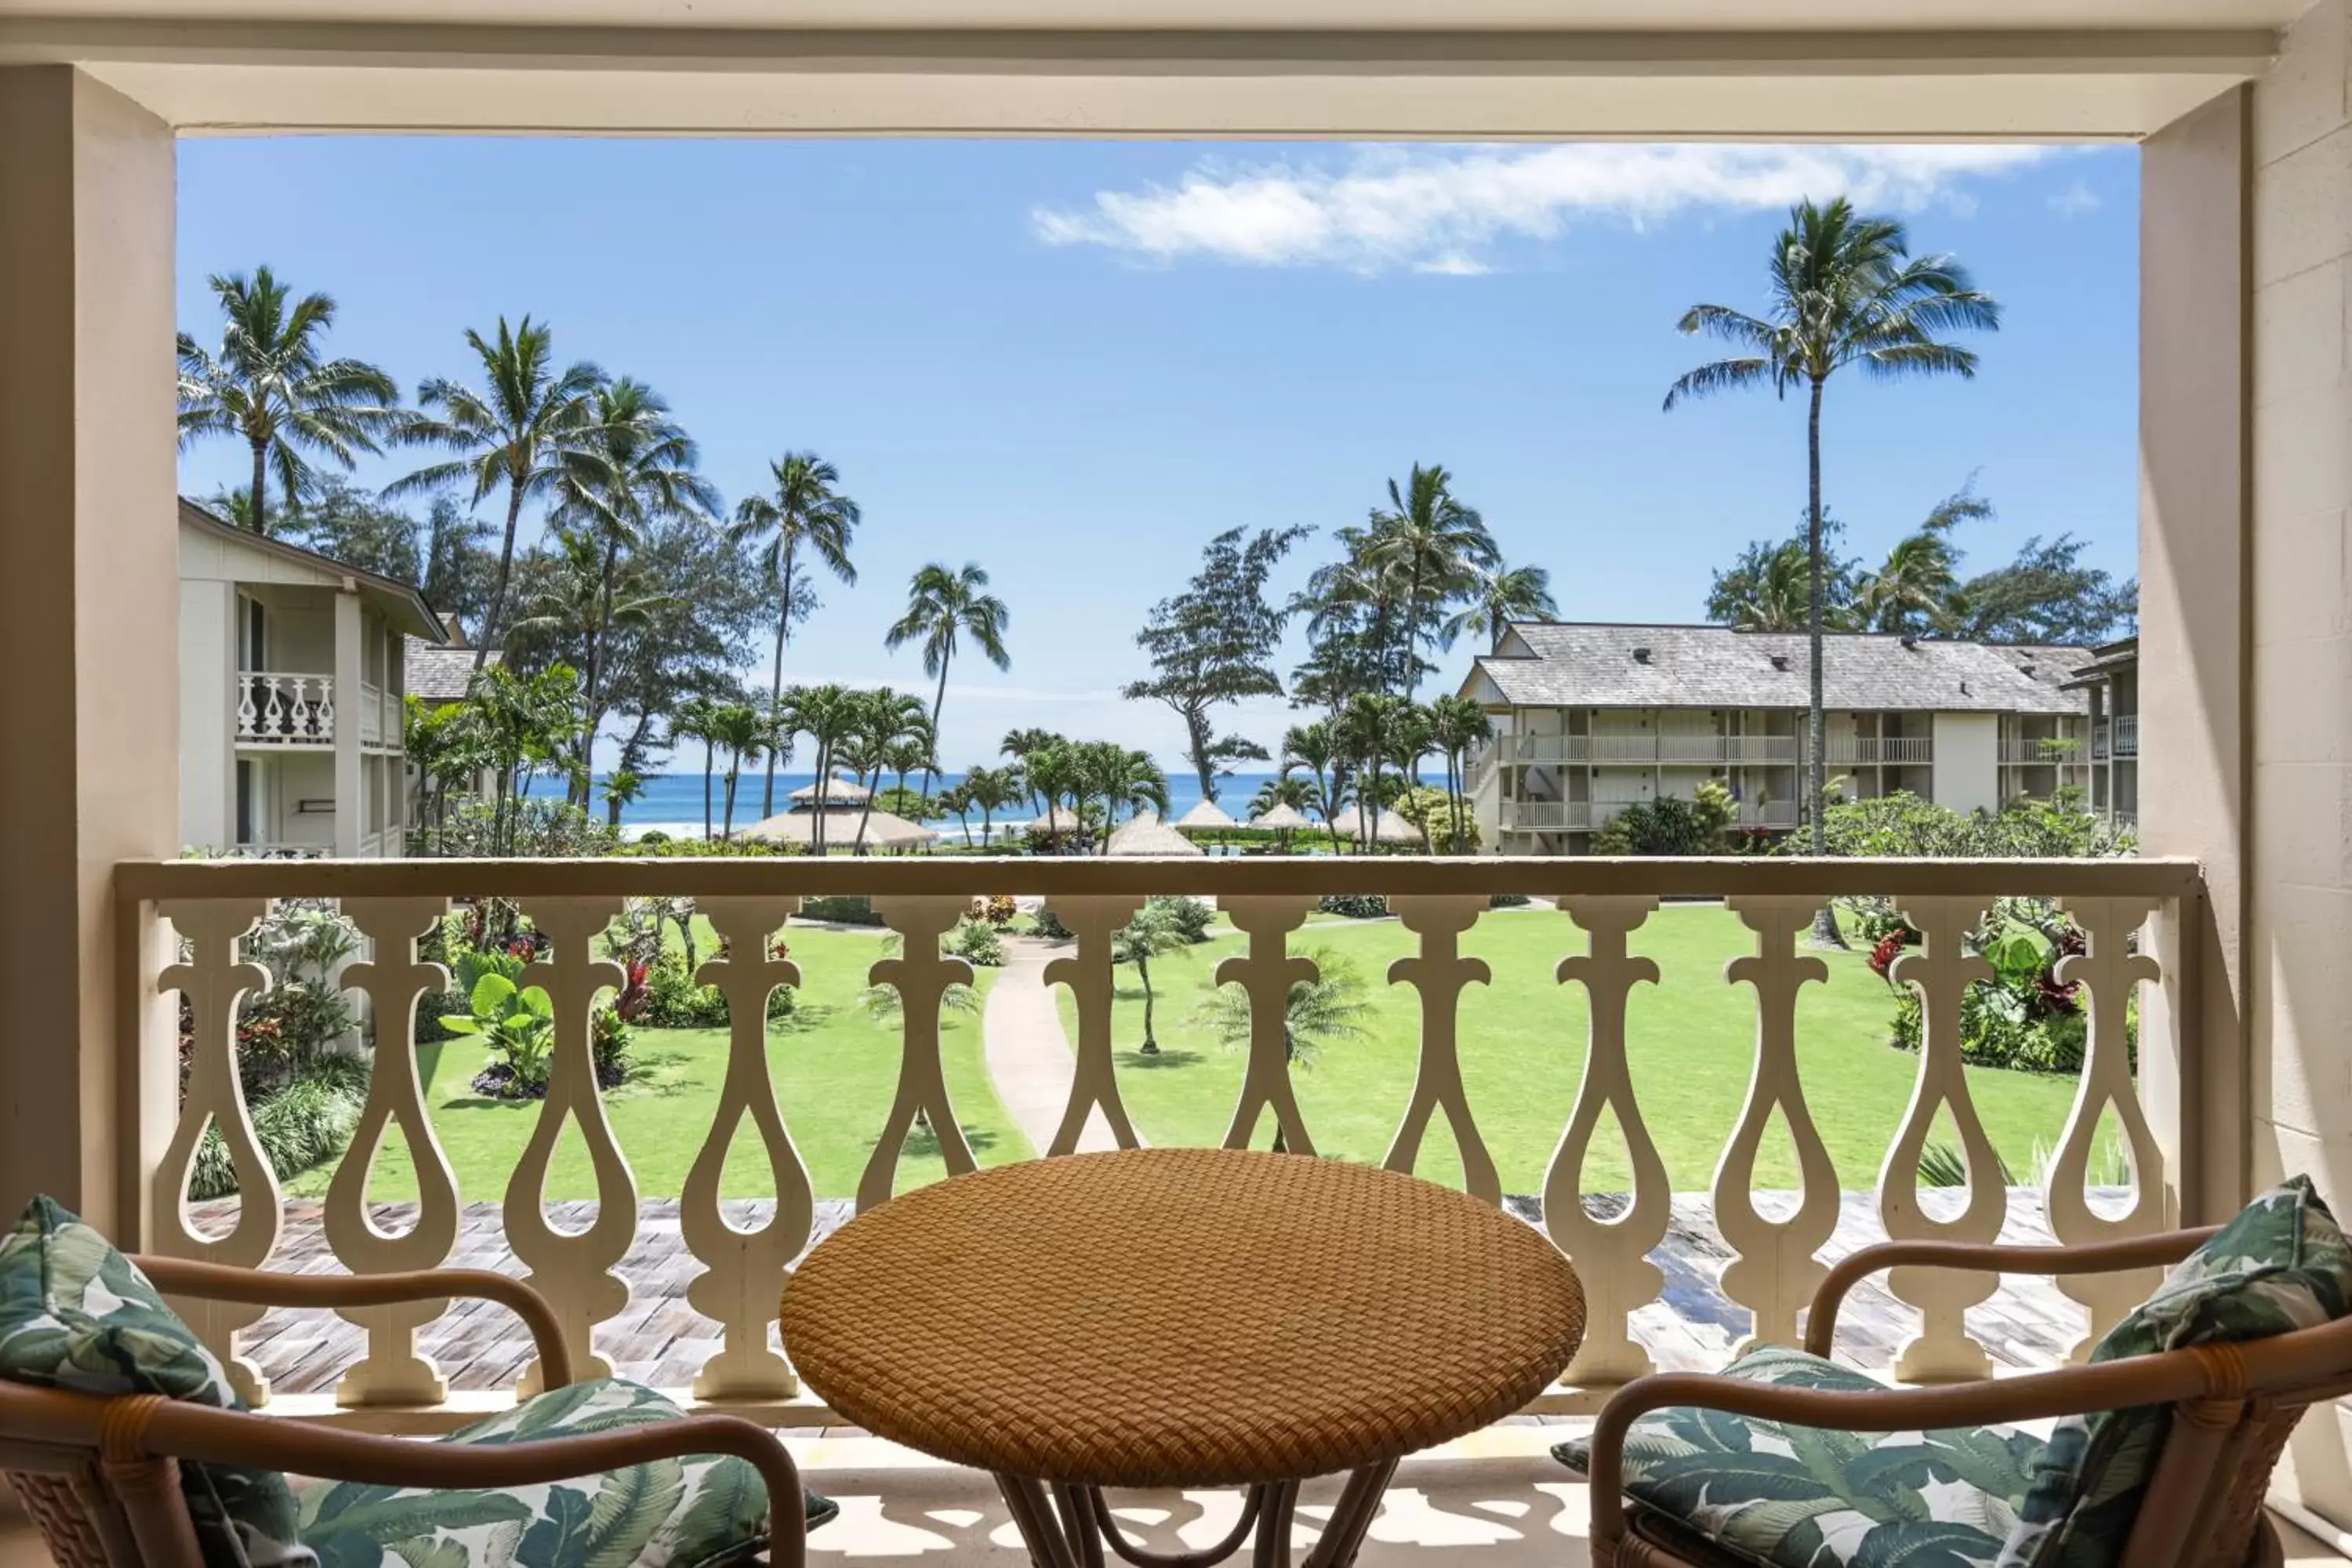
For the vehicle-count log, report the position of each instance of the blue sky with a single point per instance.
(1074, 362)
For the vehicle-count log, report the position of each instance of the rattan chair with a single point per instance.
(100, 1475)
(2233, 1405)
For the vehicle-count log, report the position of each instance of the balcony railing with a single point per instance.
(1871, 750)
(372, 716)
(2126, 735)
(1669, 750)
(280, 708)
(183, 920)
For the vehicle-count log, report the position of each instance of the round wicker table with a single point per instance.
(1181, 1318)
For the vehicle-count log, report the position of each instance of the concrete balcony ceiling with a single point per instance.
(1346, 69)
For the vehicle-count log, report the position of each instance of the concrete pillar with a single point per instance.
(2194, 634)
(88, 540)
(350, 665)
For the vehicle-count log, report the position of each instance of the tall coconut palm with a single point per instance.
(525, 429)
(636, 466)
(1843, 290)
(1430, 542)
(270, 385)
(739, 727)
(805, 514)
(1315, 750)
(943, 607)
(829, 715)
(1367, 730)
(1498, 596)
(1456, 725)
(696, 720)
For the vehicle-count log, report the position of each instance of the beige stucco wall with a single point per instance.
(1967, 761)
(207, 713)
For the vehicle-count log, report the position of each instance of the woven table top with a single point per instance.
(1181, 1317)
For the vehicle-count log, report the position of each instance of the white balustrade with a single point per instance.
(371, 715)
(275, 707)
(1610, 1226)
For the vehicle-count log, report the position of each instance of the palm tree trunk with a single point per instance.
(708, 759)
(776, 682)
(939, 699)
(734, 771)
(261, 488)
(1143, 973)
(1825, 926)
(494, 618)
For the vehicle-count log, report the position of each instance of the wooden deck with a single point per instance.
(662, 1340)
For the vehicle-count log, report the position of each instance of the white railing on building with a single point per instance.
(1547, 816)
(371, 715)
(2101, 734)
(1768, 813)
(1668, 751)
(278, 708)
(2126, 735)
(185, 920)
(1870, 751)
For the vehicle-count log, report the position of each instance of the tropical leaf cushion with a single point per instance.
(75, 1313)
(1804, 1497)
(2281, 1264)
(706, 1511)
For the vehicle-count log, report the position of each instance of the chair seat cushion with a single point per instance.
(2281, 1264)
(705, 1511)
(75, 1313)
(1803, 1497)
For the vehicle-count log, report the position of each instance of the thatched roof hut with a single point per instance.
(1147, 835)
(1388, 827)
(1283, 819)
(883, 830)
(835, 792)
(1207, 817)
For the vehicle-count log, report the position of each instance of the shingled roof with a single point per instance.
(438, 674)
(1584, 665)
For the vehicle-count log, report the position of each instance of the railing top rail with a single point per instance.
(1234, 876)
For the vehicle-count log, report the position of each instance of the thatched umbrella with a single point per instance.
(1282, 817)
(1147, 835)
(1388, 827)
(1056, 821)
(834, 792)
(1206, 817)
(883, 830)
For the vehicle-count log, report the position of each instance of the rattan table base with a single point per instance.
(1070, 1529)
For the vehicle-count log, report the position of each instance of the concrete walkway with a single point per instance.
(1029, 1057)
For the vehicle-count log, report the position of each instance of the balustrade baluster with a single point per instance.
(1940, 970)
(247, 716)
(322, 712)
(215, 981)
(2107, 972)
(1773, 1270)
(298, 718)
(393, 1373)
(1266, 973)
(1089, 975)
(573, 1268)
(1438, 973)
(273, 711)
(921, 974)
(743, 1270)
(1612, 1257)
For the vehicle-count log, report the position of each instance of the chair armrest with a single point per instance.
(183, 1431)
(2096, 1258)
(2164, 1378)
(260, 1287)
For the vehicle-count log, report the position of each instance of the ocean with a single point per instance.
(672, 802)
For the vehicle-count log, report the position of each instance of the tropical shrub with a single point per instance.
(998, 911)
(608, 1044)
(2024, 1018)
(1432, 810)
(674, 1002)
(517, 1022)
(530, 829)
(850, 908)
(433, 1007)
(307, 1120)
(1048, 924)
(1670, 825)
(975, 941)
(1188, 915)
(1354, 906)
(1507, 901)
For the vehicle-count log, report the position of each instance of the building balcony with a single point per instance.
(683, 1296)
(1646, 750)
(285, 708)
(2126, 735)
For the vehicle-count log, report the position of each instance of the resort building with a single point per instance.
(1590, 719)
(293, 667)
(2111, 681)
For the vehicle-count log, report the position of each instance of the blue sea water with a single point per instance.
(673, 801)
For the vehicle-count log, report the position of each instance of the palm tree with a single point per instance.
(1773, 594)
(270, 386)
(943, 608)
(1367, 730)
(884, 719)
(571, 597)
(1431, 543)
(1122, 777)
(1151, 933)
(696, 720)
(1313, 747)
(1844, 291)
(828, 715)
(1022, 744)
(956, 799)
(1498, 595)
(623, 786)
(1316, 1013)
(739, 727)
(805, 510)
(1913, 590)
(1053, 774)
(525, 430)
(636, 465)
(991, 790)
(1456, 725)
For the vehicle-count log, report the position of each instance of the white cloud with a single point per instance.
(1434, 210)
(2076, 200)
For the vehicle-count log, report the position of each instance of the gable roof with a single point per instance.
(409, 609)
(439, 673)
(1547, 664)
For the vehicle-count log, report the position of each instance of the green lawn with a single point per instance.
(835, 1071)
(1691, 1038)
